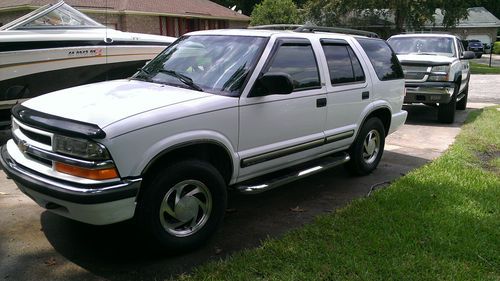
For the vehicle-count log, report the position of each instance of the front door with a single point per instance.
(279, 130)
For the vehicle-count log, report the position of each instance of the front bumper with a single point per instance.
(429, 92)
(95, 204)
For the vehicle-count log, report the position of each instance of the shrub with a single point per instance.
(496, 48)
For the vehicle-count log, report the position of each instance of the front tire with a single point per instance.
(367, 149)
(446, 111)
(462, 104)
(183, 205)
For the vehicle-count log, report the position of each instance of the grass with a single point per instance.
(439, 222)
(477, 68)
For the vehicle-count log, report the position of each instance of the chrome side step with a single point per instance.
(256, 186)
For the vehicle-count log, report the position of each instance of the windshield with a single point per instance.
(423, 45)
(55, 16)
(209, 63)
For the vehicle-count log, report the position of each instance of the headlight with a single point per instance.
(96, 153)
(439, 73)
(80, 148)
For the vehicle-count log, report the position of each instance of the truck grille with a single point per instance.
(413, 72)
(36, 137)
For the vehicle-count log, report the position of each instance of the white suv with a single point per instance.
(436, 71)
(244, 109)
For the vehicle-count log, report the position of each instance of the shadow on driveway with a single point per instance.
(116, 252)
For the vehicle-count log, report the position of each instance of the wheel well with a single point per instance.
(213, 153)
(384, 114)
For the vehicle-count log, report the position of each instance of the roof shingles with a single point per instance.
(175, 7)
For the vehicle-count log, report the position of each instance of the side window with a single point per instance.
(343, 64)
(383, 59)
(460, 48)
(299, 61)
(359, 75)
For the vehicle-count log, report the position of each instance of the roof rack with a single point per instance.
(312, 29)
(276, 26)
(342, 30)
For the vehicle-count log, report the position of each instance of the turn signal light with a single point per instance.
(93, 174)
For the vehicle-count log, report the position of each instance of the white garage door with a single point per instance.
(483, 38)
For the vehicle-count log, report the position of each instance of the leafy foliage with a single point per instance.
(247, 6)
(409, 13)
(275, 12)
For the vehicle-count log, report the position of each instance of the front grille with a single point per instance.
(414, 72)
(40, 159)
(36, 137)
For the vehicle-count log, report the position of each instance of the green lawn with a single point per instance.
(477, 68)
(439, 222)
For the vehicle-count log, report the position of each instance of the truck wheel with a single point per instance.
(446, 111)
(367, 149)
(183, 205)
(462, 104)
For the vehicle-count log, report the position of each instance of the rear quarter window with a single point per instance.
(384, 60)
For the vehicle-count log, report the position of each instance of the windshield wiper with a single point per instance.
(183, 78)
(144, 73)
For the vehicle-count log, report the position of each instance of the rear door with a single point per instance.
(348, 91)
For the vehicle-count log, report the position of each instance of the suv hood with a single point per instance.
(107, 102)
(425, 59)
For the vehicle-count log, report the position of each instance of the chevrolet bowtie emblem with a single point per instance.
(23, 146)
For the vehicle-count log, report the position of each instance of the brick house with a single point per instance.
(161, 17)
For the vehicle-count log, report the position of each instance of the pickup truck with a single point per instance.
(436, 70)
(248, 110)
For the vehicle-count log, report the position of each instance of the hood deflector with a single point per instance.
(55, 124)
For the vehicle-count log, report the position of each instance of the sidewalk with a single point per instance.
(485, 59)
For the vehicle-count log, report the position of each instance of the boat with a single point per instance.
(57, 47)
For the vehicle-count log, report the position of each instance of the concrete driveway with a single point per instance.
(37, 245)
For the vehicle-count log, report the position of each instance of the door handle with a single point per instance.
(321, 102)
(365, 95)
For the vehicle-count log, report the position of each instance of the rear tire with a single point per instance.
(182, 206)
(367, 149)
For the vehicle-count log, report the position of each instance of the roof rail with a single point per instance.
(306, 28)
(276, 26)
(312, 29)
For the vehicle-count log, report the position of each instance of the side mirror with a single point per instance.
(273, 83)
(467, 55)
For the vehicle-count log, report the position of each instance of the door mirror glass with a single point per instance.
(467, 55)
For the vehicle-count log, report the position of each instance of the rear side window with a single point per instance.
(383, 59)
(343, 65)
(299, 61)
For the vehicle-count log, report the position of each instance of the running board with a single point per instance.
(256, 186)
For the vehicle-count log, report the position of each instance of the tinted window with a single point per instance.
(297, 60)
(383, 59)
(359, 75)
(343, 64)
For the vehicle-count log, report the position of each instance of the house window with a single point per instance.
(174, 26)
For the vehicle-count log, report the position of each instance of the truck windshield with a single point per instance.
(423, 45)
(216, 64)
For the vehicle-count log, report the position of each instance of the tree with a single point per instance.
(409, 13)
(247, 6)
(275, 12)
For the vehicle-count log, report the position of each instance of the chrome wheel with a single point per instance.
(371, 146)
(186, 207)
